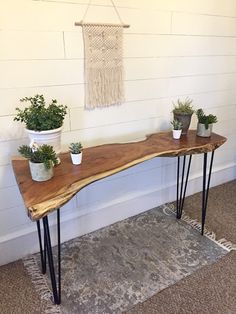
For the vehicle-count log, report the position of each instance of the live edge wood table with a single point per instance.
(41, 198)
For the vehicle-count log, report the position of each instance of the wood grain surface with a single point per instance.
(98, 162)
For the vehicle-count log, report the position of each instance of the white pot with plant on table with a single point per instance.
(76, 152)
(177, 129)
(43, 123)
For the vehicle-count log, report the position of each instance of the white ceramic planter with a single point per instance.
(50, 137)
(202, 131)
(39, 172)
(76, 158)
(177, 134)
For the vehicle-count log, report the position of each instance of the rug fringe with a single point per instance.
(40, 284)
(231, 246)
(227, 245)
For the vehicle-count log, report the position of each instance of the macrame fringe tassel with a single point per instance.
(104, 88)
(227, 245)
(41, 286)
(103, 65)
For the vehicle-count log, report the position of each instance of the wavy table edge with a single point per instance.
(40, 210)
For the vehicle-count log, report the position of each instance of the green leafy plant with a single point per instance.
(43, 154)
(177, 125)
(38, 116)
(75, 148)
(183, 107)
(205, 119)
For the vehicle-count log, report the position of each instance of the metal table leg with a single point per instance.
(43, 255)
(181, 192)
(182, 186)
(47, 251)
(206, 186)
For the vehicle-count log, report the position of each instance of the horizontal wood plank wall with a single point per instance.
(173, 49)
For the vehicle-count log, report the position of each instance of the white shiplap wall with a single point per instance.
(172, 49)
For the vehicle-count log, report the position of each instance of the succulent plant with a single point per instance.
(177, 125)
(205, 119)
(75, 148)
(43, 154)
(183, 107)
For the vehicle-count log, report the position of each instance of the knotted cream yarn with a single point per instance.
(103, 52)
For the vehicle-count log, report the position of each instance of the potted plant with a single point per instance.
(177, 129)
(76, 152)
(43, 123)
(205, 123)
(41, 161)
(183, 111)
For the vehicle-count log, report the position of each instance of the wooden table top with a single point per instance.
(98, 162)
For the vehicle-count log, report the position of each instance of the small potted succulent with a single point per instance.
(177, 129)
(41, 161)
(76, 152)
(183, 111)
(43, 122)
(205, 123)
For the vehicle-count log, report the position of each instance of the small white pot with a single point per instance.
(39, 172)
(50, 137)
(177, 134)
(76, 158)
(202, 131)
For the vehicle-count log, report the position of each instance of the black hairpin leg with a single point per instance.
(181, 191)
(47, 251)
(59, 254)
(43, 255)
(206, 186)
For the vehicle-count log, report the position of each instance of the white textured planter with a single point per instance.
(50, 137)
(202, 131)
(39, 172)
(177, 134)
(76, 158)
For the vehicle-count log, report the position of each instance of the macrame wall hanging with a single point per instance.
(103, 62)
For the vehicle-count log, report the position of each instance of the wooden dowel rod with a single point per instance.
(101, 24)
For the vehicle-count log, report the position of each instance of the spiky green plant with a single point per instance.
(177, 125)
(183, 106)
(43, 154)
(205, 119)
(38, 116)
(75, 148)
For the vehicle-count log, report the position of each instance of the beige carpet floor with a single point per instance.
(17, 294)
(221, 211)
(210, 290)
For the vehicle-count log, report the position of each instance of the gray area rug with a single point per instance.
(114, 268)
